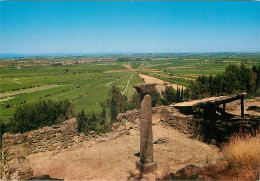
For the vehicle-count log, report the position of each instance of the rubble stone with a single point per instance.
(15, 147)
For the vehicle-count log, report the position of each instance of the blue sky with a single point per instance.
(128, 26)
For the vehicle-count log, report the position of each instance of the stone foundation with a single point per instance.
(15, 147)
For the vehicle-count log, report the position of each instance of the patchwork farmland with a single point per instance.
(86, 89)
(88, 84)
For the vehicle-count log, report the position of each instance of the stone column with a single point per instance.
(146, 163)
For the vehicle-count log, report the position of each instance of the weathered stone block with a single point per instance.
(18, 169)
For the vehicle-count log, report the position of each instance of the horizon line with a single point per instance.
(243, 51)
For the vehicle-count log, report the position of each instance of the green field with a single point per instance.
(182, 71)
(86, 89)
(88, 84)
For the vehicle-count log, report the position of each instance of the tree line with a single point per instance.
(235, 79)
(37, 115)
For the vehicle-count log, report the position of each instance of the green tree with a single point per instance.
(257, 71)
(156, 98)
(117, 102)
(134, 102)
(113, 108)
(182, 94)
(43, 113)
(169, 95)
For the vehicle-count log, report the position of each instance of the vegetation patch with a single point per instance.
(243, 150)
(37, 115)
(240, 158)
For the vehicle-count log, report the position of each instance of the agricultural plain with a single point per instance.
(86, 84)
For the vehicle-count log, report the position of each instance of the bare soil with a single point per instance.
(128, 66)
(116, 159)
(162, 86)
(130, 69)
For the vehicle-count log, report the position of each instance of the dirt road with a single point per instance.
(116, 159)
(161, 87)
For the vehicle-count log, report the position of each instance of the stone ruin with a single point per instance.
(146, 163)
(15, 147)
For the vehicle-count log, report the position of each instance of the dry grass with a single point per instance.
(243, 150)
(241, 161)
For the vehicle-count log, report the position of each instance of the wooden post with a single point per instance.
(242, 105)
(223, 110)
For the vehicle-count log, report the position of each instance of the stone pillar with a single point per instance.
(146, 163)
(146, 132)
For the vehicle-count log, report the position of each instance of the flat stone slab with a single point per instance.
(145, 88)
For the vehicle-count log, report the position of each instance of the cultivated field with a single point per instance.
(88, 84)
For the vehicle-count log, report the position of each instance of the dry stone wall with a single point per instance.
(15, 147)
(187, 124)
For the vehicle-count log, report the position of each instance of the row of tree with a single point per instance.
(235, 79)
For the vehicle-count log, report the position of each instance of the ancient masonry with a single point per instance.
(187, 124)
(16, 147)
(146, 163)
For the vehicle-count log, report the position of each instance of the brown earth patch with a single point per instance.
(116, 159)
(163, 84)
(128, 66)
(132, 70)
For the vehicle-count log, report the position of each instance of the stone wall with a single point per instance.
(187, 124)
(15, 147)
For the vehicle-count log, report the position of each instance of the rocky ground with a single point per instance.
(114, 156)
(115, 159)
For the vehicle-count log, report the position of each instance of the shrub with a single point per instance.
(43, 113)
(91, 122)
(243, 150)
(169, 95)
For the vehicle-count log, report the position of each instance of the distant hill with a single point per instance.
(14, 55)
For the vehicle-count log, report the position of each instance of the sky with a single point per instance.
(128, 26)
